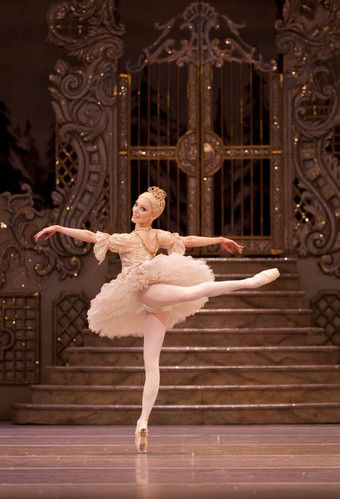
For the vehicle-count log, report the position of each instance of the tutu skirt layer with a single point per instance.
(118, 311)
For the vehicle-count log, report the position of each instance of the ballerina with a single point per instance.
(153, 292)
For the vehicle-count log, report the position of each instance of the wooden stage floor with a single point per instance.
(274, 462)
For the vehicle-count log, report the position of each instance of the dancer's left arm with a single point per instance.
(197, 241)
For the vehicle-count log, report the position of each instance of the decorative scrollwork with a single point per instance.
(310, 42)
(200, 18)
(20, 221)
(83, 96)
(18, 225)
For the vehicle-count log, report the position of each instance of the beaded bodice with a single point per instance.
(132, 248)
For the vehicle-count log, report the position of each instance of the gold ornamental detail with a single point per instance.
(188, 152)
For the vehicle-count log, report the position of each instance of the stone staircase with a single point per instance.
(248, 357)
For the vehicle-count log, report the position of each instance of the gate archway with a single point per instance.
(200, 116)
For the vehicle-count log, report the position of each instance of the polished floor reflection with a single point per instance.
(257, 461)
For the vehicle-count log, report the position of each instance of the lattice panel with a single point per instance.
(105, 199)
(334, 145)
(70, 318)
(326, 314)
(66, 164)
(316, 109)
(19, 338)
(100, 215)
(301, 215)
(70, 26)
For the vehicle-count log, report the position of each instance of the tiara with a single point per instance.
(158, 193)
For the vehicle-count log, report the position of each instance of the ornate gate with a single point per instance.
(200, 117)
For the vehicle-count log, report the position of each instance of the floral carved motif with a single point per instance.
(310, 42)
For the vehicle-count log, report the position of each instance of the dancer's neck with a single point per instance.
(146, 228)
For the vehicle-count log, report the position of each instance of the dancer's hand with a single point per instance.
(230, 245)
(47, 232)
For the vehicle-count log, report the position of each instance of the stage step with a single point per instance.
(218, 355)
(178, 414)
(254, 298)
(249, 357)
(243, 336)
(249, 317)
(204, 374)
(197, 394)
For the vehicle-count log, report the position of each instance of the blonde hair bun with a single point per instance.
(157, 192)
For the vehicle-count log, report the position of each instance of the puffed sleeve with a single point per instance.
(118, 243)
(173, 243)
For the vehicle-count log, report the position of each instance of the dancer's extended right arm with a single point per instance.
(81, 234)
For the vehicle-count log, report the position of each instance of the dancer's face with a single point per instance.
(142, 213)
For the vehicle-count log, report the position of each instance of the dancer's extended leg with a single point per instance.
(154, 331)
(158, 295)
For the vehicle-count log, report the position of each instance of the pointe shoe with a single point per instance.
(141, 440)
(264, 277)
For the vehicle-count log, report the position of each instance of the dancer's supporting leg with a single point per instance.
(154, 331)
(159, 295)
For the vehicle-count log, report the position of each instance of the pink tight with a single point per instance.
(154, 331)
(161, 295)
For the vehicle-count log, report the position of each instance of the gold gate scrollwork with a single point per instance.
(180, 128)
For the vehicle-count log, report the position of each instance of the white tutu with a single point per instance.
(118, 310)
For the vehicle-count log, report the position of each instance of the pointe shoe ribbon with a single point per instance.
(141, 440)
